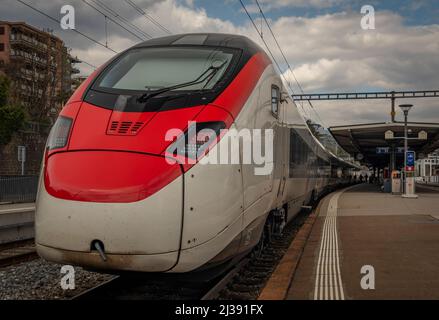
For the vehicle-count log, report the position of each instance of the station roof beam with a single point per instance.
(391, 95)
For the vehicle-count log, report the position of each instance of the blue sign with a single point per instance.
(410, 159)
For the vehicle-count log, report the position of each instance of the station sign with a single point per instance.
(21, 151)
(21, 157)
(388, 150)
(382, 150)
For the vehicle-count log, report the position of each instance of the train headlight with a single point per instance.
(59, 135)
(196, 140)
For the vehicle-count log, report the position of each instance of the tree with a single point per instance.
(35, 92)
(12, 117)
(4, 90)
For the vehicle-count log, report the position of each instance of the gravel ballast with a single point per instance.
(39, 279)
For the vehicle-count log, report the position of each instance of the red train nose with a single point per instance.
(113, 156)
(107, 176)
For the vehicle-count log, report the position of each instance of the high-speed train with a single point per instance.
(114, 195)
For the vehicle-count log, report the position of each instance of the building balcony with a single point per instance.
(41, 63)
(38, 46)
(21, 56)
(30, 77)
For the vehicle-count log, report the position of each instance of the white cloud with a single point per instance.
(328, 52)
(183, 19)
(268, 5)
(302, 3)
(332, 53)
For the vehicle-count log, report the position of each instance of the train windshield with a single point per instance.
(151, 69)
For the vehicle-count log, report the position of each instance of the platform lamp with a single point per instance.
(405, 109)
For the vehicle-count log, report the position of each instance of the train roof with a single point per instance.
(206, 39)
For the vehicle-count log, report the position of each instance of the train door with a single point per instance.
(279, 102)
(310, 167)
(258, 118)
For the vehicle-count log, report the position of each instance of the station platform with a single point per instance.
(16, 222)
(362, 227)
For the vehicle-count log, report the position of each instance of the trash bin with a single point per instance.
(396, 182)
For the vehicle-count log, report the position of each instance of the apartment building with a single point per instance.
(39, 65)
(41, 71)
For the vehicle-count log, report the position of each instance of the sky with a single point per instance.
(322, 41)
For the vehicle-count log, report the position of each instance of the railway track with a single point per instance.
(252, 277)
(16, 252)
(244, 281)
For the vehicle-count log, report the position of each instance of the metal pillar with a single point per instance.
(393, 112)
(409, 181)
(405, 151)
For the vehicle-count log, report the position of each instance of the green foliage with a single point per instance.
(4, 90)
(11, 120)
(12, 117)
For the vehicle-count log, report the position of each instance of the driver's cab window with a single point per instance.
(275, 98)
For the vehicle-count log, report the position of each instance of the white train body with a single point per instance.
(200, 215)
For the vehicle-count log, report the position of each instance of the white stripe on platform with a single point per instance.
(328, 284)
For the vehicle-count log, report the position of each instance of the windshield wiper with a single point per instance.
(208, 74)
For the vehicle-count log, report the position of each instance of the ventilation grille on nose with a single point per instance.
(128, 128)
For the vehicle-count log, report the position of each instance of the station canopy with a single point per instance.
(368, 143)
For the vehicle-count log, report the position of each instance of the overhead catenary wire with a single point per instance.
(266, 45)
(114, 21)
(285, 59)
(269, 51)
(74, 30)
(278, 45)
(121, 18)
(88, 37)
(147, 16)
